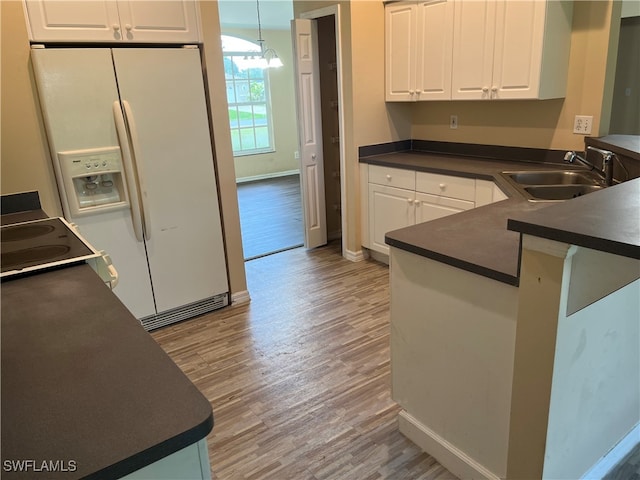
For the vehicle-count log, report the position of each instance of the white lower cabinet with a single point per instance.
(389, 209)
(399, 198)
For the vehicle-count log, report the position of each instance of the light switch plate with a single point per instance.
(582, 124)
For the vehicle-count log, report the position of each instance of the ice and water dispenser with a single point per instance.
(93, 180)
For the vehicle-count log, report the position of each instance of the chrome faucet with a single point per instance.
(607, 163)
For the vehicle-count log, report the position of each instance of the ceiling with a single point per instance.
(274, 14)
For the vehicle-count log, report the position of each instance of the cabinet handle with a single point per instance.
(485, 89)
(409, 201)
(128, 27)
(412, 92)
(389, 177)
(442, 186)
(115, 26)
(416, 202)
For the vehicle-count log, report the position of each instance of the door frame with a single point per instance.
(313, 15)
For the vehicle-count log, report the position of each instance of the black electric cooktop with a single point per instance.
(41, 244)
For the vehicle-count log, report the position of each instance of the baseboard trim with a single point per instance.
(357, 256)
(267, 175)
(450, 457)
(241, 297)
(614, 456)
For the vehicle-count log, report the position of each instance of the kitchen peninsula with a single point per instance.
(86, 392)
(502, 338)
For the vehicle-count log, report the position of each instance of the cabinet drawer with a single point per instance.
(446, 185)
(392, 177)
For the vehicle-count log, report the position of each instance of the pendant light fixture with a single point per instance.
(269, 57)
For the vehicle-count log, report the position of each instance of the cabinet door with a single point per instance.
(73, 21)
(389, 209)
(170, 21)
(430, 207)
(518, 49)
(434, 50)
(400, 51)
(473, 40)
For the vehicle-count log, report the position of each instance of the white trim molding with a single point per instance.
(239, 298)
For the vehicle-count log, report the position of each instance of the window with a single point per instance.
(248, 97)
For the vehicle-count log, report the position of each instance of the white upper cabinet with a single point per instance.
(418, 44)
(435, 43)
(477, 49)
(162, 21)
(473, 49)
(400, 51)
(511, 49)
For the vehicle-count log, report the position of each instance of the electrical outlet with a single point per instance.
(582, 124)
(296, 155)
(453, 121)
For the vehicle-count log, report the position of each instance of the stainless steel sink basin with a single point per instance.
(558, 177)
(560, 192)
(554, 185)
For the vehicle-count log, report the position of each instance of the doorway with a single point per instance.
(253, 218)
(263, 124)
(327, 54)
(317, 34)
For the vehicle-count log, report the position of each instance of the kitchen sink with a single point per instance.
(565, 177)
(560, 192)
(554, 185)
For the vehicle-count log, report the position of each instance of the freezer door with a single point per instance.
(167, 116)
(77, 88)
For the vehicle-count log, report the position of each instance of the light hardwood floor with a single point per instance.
(299, 379)
(270, 215)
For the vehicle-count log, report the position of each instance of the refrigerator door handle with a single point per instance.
(133, 131)
(136, 211)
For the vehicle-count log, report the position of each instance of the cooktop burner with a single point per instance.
(40, 244)
(24, 232)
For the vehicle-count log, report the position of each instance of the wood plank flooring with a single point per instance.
(299, 379)
(270, 215)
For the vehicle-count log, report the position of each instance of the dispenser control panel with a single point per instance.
(93, 180)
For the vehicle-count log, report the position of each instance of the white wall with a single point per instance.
(595, 392)
(576, 389)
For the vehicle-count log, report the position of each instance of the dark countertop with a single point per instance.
(628, 145)
(482, 168)
(83, 382)
(608, 220)
(476, 240)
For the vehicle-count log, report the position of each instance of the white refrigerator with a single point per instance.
(129, 136)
